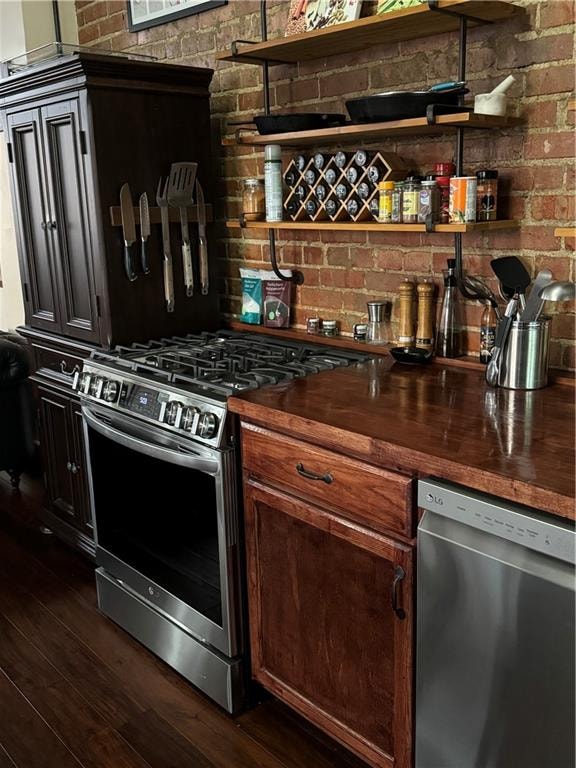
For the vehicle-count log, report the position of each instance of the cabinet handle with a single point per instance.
(399, 575)
(52, 225)
(326, 478)
(75, 468)
(69, 466)
(43, 225)
(64, 368)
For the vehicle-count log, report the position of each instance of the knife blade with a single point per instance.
(144, 231)
(202, 242)
(128, 229)
(162, 202)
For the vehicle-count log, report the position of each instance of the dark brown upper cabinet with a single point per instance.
(77, 128)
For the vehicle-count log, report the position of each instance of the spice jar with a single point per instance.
(386, 190)
(330, 176)
(397, 195)
(253, 200)
(411, 200)
(443, 183)
(331, 207)
(313, 325)
(428, 205)
(444, 169)
(486, 195)
(330, 328)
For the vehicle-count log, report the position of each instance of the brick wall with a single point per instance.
(345, 269)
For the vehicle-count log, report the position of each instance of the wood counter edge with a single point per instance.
(406, 460)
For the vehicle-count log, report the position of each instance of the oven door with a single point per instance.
(165, 516)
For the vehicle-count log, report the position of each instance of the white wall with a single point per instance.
(24, 24)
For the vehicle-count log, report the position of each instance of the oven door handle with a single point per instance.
(182, 458)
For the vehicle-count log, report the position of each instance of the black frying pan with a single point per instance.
(401, 105)
(295, 121)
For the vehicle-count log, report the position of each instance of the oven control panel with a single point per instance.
(177, 411)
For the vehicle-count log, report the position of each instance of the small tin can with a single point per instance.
(312, 325)
(330, 176)
(462, 206)
(330, 328)
(360, 331)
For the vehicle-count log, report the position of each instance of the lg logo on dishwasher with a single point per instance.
(434, 499)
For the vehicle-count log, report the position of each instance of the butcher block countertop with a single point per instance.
(433, 420)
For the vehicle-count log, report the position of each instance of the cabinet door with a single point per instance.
(328, 635)
(32, 221)
(80, 487)
(58, 446)
(69, 228)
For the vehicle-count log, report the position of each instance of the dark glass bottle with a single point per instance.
(449, 342)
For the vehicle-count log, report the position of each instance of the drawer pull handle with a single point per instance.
(399, 575)
(64, 368)
(326, 478)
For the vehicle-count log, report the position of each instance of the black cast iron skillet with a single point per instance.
(402, 105)
(294, 121)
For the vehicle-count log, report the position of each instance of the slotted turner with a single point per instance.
(180, 194)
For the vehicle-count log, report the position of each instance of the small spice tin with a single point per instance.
(313, 325)
(462, 199)
(360, 331)
(330, 328)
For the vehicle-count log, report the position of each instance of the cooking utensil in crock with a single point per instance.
(560, 290)
(400, 105)
(475, 285)
(535, 302)
(512, 274)
(493, 369)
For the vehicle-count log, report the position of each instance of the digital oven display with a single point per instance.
(144, 401)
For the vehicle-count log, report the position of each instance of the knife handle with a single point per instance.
(203, 248)
(128, 268)
(144, 258)
(188, 273)
(168, 284)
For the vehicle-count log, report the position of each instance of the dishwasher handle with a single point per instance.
(399, 576)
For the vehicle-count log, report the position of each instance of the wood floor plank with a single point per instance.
(296, 743)
(26, 736)
(85, 732)
(151, 683)
(154, 737)
(5, 759)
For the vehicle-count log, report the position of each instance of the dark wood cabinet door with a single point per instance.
(80, 487)
(325, 636)
(69, 229)
(32, 221)
(59, 449)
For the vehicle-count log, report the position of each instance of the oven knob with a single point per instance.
(96, 386)
(110, 391)
(208, 425)
(189, 415)
(172, 412)
(84, 384)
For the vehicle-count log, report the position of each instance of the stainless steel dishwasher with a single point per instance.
(495, 683)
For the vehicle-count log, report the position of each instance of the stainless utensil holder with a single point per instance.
(524, 360)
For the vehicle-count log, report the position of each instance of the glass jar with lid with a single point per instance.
(411, 200)
(253, 200)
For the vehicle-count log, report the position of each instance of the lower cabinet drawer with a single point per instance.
(375, 497)
(53, 363)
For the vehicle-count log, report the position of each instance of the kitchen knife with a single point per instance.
(144, 231)
(202, 242)
(162, 200)
(128, 229)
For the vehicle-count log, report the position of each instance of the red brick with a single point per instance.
(95, 11)
(312, 254)
(560, 265)
(88, 33)
(418, 262)
(338, 257)
(540, 114)
(343, 83)
(297, 90)
(355, 279)
(558, 79)
(545, 145)
(557, 13)
(388, 259)
(569, 357)
(112, 24)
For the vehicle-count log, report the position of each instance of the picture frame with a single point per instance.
(143, 14)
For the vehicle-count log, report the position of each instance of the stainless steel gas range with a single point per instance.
(165, 493)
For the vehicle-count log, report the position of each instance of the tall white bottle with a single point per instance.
(273, 182)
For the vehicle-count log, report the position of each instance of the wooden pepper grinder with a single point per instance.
(406, 325)
(425, 327)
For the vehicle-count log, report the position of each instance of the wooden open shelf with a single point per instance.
(372, 131)
(374, 226)
(409, 24)
(565, 232)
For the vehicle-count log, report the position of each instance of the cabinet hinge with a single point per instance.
(10, 152)
(98, 306)
(83, 145)
(25, 287)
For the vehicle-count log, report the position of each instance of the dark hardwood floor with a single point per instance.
(77, 692)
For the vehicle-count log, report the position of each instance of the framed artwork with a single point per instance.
(149, 13)
(325, 13)
(386, 6)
